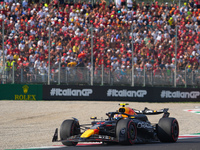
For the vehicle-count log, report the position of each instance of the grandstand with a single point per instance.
(132, 43)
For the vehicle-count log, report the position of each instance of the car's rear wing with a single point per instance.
(147, 111)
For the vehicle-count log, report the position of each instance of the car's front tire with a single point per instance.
(69, 128)
(126, 132)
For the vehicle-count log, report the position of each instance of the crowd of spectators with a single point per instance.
(26, 25)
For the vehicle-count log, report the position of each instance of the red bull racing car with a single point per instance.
(125, 126)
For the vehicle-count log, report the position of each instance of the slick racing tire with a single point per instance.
(69, 128)
(126, 132)
(168, 130)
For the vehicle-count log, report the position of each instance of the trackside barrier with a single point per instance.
(20, 92)
(121, 93)
(103, 93)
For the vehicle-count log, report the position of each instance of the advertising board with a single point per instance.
(20, 92)
(120, 93)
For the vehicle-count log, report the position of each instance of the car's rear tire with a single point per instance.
(126, 132)
(168, 130)
(69, 128)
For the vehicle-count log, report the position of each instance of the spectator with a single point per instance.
(118, 3)
(129, 4)
(27, 25)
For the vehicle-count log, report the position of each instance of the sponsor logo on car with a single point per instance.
(143, 125)
(178, 94)
(70, 92)
(106, 137)
(126, 93)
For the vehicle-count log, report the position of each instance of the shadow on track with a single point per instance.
(182, 144)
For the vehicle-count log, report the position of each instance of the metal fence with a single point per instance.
(103, 76)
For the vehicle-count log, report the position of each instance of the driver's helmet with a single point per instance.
(117, 116)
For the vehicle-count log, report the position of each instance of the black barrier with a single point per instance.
(122, 93)
(177, 94)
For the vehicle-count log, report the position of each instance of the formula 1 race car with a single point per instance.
(125, 126)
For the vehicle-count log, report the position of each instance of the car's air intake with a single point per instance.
(122, 110)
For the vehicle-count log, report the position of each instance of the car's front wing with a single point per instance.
(93, 138)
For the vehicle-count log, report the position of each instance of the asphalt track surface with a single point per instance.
(181, 144)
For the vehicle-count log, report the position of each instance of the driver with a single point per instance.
(117, 116)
